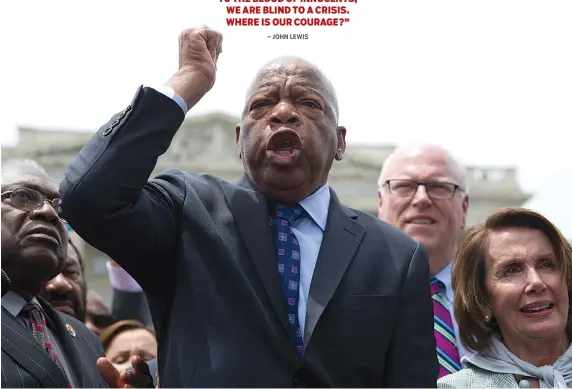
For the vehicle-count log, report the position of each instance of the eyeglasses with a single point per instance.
(435, 190)
(29, 200)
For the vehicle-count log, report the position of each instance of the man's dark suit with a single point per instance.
(25, 365)
(202, 250)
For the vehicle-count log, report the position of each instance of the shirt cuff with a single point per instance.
(121, 280)
(170, 93)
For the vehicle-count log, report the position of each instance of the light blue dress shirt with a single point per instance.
(308, 230)
(170, 93)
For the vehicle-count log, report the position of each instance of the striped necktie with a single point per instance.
(447, 352)
(37, 320)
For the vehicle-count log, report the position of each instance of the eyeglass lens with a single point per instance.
(28, 199)
(434, 189)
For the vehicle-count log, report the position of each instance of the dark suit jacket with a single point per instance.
(130, 306)
(25, 365)
(202, 250)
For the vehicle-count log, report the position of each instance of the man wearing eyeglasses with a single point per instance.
(423, 191)
(41, 347)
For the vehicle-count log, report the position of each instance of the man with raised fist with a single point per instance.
(267, 282)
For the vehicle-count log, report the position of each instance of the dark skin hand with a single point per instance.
(126, 379)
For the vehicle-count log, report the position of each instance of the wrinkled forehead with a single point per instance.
(514, 242)
(13, 179)
(288, 73)
(422, 166)
(281, 71)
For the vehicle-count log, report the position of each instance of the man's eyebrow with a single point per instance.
(314, 89)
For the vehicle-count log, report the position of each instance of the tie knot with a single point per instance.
(436, 286)
(290, 213)
(30, 307)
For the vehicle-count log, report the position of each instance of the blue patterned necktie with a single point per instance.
(288, 260)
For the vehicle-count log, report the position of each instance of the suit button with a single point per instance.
(110, 128)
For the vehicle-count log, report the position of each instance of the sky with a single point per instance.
(490, 80)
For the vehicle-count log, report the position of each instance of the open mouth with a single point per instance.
(284, 146)
(537, 307)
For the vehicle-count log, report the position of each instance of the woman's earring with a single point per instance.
(339, 156)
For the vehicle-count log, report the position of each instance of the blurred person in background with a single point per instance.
(128, 302)
(423, 191)
(512, 301)
(128, 338)
(97, 316)
(67, 291)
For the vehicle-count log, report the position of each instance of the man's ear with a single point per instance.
(341, 135)
(237, 140)
(379, 203)
(465, 210)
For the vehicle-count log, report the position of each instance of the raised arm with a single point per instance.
(106, 195)
(412, 361)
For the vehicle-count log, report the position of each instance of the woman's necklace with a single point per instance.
(522, 381)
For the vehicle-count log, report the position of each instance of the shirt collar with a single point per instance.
(13, 303)
(317, 205)
(445, 277)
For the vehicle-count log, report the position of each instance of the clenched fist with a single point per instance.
(199, 49)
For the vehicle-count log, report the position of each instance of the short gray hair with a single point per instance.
(458, 167)
(25, 166)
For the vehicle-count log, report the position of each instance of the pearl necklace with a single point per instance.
(522, 382)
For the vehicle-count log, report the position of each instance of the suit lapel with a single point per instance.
(341, 240)
(18, 342)
(250, 210)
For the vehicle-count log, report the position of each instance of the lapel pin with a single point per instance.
(71, 330)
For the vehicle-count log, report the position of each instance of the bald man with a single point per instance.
(268, 282)
(423, 191)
